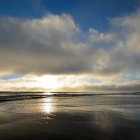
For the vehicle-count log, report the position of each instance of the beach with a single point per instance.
(70, 69)
(70, 117)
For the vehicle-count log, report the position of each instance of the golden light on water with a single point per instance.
(47, 105)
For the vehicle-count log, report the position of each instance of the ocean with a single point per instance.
(53, 115)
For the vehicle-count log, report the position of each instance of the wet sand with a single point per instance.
(69, 126)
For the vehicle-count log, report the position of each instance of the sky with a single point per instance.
(70, 45)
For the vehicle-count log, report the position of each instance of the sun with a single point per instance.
(48, 82)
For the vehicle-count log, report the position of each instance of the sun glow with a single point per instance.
(48, 82)
(47, 93)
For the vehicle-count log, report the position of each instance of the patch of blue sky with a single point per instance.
(121, 80)
(132, 76)
(92, 81)
(135, 75)
(12, 76)
(87, 13)
(135, 72)
(134, 79)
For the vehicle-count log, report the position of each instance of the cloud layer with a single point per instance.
(68, 83)
(56, 45)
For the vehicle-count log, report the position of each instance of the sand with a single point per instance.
(69, 126)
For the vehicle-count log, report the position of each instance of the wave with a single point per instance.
(13, 96)
(30, 96)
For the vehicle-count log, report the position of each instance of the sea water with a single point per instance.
(128, 104)
(74, 116)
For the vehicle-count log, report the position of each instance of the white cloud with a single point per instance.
(72, 83)
(56, 45)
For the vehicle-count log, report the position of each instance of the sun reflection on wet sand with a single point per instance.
(47, 105)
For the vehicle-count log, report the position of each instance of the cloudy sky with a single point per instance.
(68, 45)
